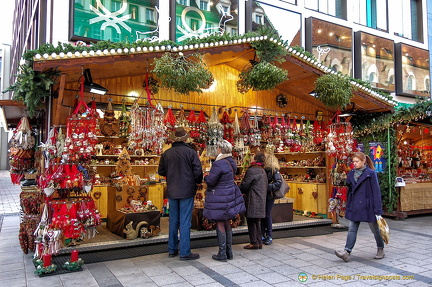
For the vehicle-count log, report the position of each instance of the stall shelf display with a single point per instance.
(414, 159)
(306, 176)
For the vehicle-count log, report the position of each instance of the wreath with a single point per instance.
(208, 224)
(235, 221)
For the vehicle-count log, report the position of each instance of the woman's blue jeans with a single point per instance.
(352, 235)
(180, 218)
(267, 222)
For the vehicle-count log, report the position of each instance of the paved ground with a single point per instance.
(408, 260)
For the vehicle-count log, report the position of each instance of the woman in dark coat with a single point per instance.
(222, 202)
(363, 204)
(254, 186)
(272, 167)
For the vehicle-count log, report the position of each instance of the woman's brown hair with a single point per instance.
(365, 158)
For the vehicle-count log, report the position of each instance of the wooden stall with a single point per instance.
(124, 76)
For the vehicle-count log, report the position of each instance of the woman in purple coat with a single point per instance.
(363, 205)
(223, 199)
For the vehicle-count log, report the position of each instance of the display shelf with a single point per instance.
(307, 182)
(308, 188)
(110, 137)
(293, 166)
(133, 165)
(299, 153)
(116, 155)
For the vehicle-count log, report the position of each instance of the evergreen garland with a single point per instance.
(375, 122)
(32, 87)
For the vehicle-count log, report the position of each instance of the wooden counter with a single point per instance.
(416, 196)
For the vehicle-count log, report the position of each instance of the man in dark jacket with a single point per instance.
(182, 168)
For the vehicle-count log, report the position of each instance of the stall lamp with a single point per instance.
(350, 112)
(91, 87)
(346, 115)
(313, 94)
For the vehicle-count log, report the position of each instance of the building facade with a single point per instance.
(383, 42)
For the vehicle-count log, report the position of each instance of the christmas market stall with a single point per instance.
(400, 147)
(115, 106)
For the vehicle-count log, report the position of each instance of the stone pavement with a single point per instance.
(286, 262)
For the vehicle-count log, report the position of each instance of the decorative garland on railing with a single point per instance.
(373, 123)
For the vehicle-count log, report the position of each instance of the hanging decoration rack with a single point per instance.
(271, 112)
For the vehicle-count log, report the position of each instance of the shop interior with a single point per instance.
(114, 184)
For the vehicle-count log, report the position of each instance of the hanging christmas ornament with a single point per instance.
(181, 119)
(193, 125)
(239, 147)
(340, 141)
(255, 133)
(170, 120)
(202, 129)
(215, 134)
(109, 125)
(245, 127)
(264, 127)
(228, 133)
(124, 122)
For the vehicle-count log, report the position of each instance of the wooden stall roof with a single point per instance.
(302, 71)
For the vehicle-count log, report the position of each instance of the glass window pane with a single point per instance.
(372, 13)
(101, 21)
(205, 19)
(415, 74)
(405, 19)
(277, 18)
(377, 61)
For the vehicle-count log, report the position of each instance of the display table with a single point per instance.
(117, 220)
(416, 196)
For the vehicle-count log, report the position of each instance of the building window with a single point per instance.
(406, 19)
(225, 9)
(150, 16)
(204, 5)
(427, 84)
(411, 83)
(183, 2)
(335, 8)
(115, 6)
(372, 13)
(259, 19)
(258, 16)
(194, 24)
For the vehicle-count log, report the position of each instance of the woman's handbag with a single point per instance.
(282, 190)
(384, 228)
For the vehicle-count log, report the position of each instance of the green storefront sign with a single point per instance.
(117, 21)
(132, 20)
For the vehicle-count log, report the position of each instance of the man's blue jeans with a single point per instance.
(352, 235)
(180, 218)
